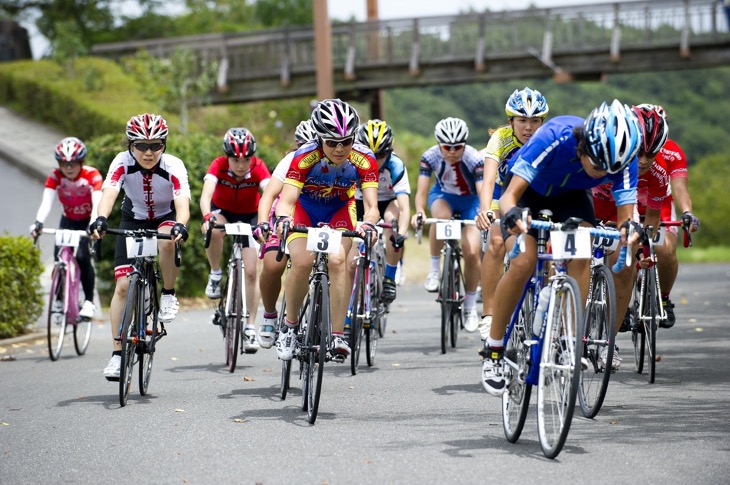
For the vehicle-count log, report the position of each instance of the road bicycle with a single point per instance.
(646, 309)
(63, 299)
(541, 347)
(232, 312)
(451, 291)
(315, 331)
(140, 328)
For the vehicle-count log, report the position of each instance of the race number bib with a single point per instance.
(141, 247)
(448, 230)
(659, 236)
(607, 243)
(323, 240)
(238, 229)
(571, 244)
(66, 237)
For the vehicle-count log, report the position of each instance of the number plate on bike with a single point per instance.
(448, 230)
(141, 247)
(659, 236)
(323, 240)
(66, 237)
(571, 244)
(607, 243)
(238, 229)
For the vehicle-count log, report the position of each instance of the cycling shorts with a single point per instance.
(232, 217)
(123, 264)
(467, 206)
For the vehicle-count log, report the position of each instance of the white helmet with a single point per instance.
(451, 131)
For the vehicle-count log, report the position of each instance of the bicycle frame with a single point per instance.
(67, 262)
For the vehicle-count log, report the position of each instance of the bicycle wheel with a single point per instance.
(82, 336)
(516, 398)
(651, 307)
(147, 348)
(56, 326)
(446, 295)
(560, 363)
(356, 319)
(377, 311)
(285, 364)
(637, 328)
(316, 341)
(234, 307)
(129, 338)
(599, 338)
(457, 313)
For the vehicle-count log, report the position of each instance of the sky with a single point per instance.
(387, 9)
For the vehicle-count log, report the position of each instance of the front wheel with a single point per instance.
(599, 338)
(233, 320)
(56, 326)
(560, 364)
(650, 323)
(82, 336)
(147, 349)
(129, 340)
(316, 343)
(446, 293)
(637, 329)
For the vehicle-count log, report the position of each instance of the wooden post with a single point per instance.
(323, 51)
(377, 108)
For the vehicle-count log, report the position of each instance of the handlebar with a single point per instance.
(147, 233)
(287, 228)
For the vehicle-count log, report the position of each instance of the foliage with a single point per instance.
(177, 83)
(21, 296)
(709, 179)
(67, 47)
(279, 13)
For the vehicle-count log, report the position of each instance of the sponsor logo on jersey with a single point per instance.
(360, 161)
(308, 161)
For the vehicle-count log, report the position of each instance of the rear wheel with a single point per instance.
(356, 319)
(637, 328)
(650, 323)
(599, 338)
(457, 312)
(56, 325)
(285, 364)
(377, 314)
(560, 364)
(516, 398)
(129, 340)
(147, 349)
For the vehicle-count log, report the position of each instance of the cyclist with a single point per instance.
(156, 196)
(676, 162)
(552, 171)
(652, 186)
(231, 194)
(526, 112)
(319, 189)
(78, 188)
(270, 281)
(394, 193)
(459, 169)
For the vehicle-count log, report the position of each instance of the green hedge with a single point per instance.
(21, 298)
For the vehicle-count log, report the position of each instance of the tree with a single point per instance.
(278, 13)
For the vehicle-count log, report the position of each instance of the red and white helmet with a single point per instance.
(654, 129)
(70, 149)
(147, 126)
(239, 143)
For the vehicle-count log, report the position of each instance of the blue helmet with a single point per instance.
(613, 137)
(528, 103)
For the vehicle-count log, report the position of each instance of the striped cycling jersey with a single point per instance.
(392, 180)
(75, 195)
(550, 164)
(459, 178)
(148, 194)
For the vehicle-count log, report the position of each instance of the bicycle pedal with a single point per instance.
(339, 358)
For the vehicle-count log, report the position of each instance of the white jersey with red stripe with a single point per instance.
(148, 194)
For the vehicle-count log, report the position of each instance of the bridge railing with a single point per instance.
(414, 43)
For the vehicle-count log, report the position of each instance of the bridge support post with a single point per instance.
(323, 51)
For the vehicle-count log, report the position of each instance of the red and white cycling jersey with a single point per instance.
(652, 191)
(148, 194)
(239, 197)
(75, 195)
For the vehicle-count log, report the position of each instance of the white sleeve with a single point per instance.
(282, 167)
(95, 199)
(46, 204)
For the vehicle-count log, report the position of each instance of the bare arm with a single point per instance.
(206, 195)
(404, 203)
(421, 196)
(370, 203)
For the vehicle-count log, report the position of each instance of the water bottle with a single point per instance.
(542, 305)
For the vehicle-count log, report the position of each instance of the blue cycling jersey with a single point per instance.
(548, 161)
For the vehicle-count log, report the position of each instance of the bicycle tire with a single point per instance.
(600, 334)
(356, 317)
(376, 290)
(147, 349)
(456, 320)
(316, 340)
(233, 316)
(516, 398)
(651, 324)
(446, 294)
(56, 323)
(637, 329)
(372, 333)
(285, 364)
(559, 376)
(128, 336)
(82, 336)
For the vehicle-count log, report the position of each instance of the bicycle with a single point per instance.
(541, 347)
(63, 301)
(646, 305)
(451, 291)
(600, 330)
(232, 308)
(315, 332)
(140, 329)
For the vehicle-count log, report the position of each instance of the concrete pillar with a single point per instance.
(377, 108)
(323, 51)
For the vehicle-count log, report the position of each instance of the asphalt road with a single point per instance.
(416, 416)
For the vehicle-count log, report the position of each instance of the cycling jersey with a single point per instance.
(282, 167)
(75, 195)
(652, 190)
(548, 161)
(237, 196)
(674, 159)
(392, 180)
(502, 145)
(148, 194)
(457, 179)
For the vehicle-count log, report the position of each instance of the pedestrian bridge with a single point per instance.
(564, 43)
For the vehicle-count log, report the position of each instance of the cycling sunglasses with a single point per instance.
(455, 148)
(334, 143)
(143, 147)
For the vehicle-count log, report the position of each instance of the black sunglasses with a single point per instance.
(143, 147)
(450, 148)
(334, 143)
